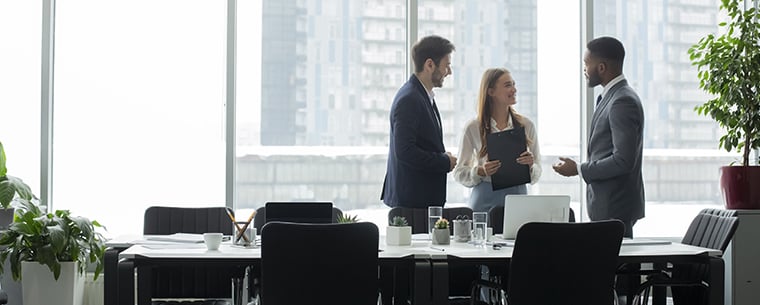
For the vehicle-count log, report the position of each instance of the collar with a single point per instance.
(496, 129)
(612, 83)
(430, 93)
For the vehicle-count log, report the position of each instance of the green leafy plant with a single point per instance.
(442, 224)
(51, 238)
(398, 221)
(729, 68)
(11, 187)
(346, 218)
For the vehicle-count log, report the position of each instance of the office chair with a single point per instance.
(199, 282)
(711, 228)
(260, 219)
(496, 218)
(561, 263)
(319, 264)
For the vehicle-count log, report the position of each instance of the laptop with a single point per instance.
(521, 209)
(300, 212)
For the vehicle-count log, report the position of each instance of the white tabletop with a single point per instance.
(417, 248)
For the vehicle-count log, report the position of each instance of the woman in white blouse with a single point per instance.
(495, 114)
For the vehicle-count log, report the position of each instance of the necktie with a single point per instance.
(437, 114)
(598, 99)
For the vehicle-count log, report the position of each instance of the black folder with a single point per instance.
(506, 146)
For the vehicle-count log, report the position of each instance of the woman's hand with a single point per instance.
(489, 168)
(526, 158)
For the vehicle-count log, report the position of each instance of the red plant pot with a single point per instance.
(741, 187)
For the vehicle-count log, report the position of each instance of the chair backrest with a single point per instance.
(418, 219)
(260, 219)
(319, 263)
(712, 228)
(160, 220)
(565, 263)
(189, 281)
(496, 218)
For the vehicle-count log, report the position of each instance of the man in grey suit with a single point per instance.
(615, 188)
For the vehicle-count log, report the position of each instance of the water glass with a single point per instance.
(434, 213)
(480, 223)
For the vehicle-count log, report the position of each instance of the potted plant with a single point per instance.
(441, 233)
(11, 188)
(729, 70)
(49, 252)
(346, 218)
(398, 232)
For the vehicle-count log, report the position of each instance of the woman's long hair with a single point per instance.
(488, 81)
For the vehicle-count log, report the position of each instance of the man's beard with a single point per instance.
(593, 79)
(437, 78)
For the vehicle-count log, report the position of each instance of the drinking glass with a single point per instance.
(480, 222)
(434, 213)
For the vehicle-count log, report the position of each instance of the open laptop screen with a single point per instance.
(300, 212)
(521, 209)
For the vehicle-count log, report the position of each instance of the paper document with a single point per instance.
(177, 238)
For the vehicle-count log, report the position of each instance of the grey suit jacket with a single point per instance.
(613, 172)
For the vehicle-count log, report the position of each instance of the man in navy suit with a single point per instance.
(417, 160)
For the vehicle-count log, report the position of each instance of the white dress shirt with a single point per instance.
(466, 171)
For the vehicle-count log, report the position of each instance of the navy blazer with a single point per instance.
(615, 187)
(417, 161)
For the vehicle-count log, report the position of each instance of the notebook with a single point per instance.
(521, 209)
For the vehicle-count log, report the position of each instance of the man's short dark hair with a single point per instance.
(433, 47)
(607, 48)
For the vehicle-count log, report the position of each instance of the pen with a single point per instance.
(245, 227)
(239, 230)
(439, 249)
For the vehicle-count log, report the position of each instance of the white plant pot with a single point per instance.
(398, 236)
(39, 287)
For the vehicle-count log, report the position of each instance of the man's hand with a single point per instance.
(567, 167)
(452, 161)
(489, 168)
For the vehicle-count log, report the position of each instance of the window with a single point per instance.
(316, 146)
(680, 167)
(138, 108)
(20, 53)
(546, 80)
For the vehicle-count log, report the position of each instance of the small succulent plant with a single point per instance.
(399, 221)
(442, 224)
(346, 218)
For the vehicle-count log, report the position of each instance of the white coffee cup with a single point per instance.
(212, 240)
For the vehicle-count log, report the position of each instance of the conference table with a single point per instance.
(427, 263)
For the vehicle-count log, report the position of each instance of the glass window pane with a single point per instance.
(523, 37)
(681, 158)
(20, 53)
(139, 108)
(315, 83)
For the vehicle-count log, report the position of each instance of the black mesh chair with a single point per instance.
(711, 228)
(561, 263)
(496, 218)
(198, 282)
(260, 219)
(319, 264)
